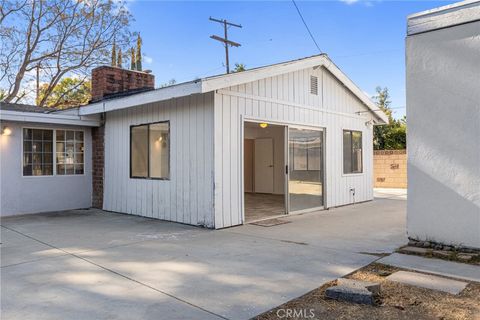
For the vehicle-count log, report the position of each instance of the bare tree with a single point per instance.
(59, 37)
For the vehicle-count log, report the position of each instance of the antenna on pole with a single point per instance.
(225, 40)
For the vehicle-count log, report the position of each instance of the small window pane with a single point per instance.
(37, 170)
(37, 146)
(78, 157)
(79, 135)
(47, 135)
(27, 134)
(47, 170)
(78, 147)
(60, 169)
(79, 169)
(27, 146)
(60, 147)
(27, 170)
(47, 147)
(47, 158)
(69, 135)
(69, 169)
(27, 158)
(37, 134)
(159, 146)
(60, 158)
(37, 158)
(60, 135)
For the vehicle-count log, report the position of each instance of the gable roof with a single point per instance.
(213, 83)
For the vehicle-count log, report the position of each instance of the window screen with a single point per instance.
(37, 152)
(70, 152)
(150, 150)
(352, 152)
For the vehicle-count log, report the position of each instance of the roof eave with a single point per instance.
(161, 94)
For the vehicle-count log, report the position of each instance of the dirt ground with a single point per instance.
(397, 301)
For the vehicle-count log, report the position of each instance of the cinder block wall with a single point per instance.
(390, 168)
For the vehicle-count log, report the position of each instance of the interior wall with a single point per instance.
(248, 164)
(277, 133)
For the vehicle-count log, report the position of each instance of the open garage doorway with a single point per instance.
(264, 171)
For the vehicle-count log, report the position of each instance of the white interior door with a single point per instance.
(264, 165)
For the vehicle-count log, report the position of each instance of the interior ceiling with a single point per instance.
(257, 125)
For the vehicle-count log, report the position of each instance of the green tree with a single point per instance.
(69, 92)
(393, 135)
(114, 54)
(119, 58)
(138, 62)
(3, 94)
(239, 67)
(132, 59)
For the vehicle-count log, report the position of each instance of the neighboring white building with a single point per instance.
(219, 151)
(443, 110)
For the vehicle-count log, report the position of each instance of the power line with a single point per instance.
(306, 26)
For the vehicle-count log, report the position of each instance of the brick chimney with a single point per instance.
(108, 81)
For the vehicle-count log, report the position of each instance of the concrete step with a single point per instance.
(433, 266)
(428, 281)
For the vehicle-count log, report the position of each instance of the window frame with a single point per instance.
(148, 151)
(351, 153)
(54, 152)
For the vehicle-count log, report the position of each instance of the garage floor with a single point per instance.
(98, 265)
(262, 206)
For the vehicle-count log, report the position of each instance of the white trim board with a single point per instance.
(443, 17)
(54, 118)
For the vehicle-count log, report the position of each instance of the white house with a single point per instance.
(443, 111)
(217, 152)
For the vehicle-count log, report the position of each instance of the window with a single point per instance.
(150, 150)
(37, 152)
(305, 152)
(352, 152)
(69, 149)
(314, 85)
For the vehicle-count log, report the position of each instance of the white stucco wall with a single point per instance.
(21, 195)
(443, 112)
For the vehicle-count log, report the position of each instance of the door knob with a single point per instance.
(270, 166)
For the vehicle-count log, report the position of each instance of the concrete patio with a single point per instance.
(91, 264)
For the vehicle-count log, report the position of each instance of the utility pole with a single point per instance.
(225, 40)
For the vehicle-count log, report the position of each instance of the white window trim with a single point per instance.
(353, 174)
(54, 151)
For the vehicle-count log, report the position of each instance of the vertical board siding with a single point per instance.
(188, 196)
(291, 89)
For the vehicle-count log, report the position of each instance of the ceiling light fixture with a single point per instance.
(263, 125)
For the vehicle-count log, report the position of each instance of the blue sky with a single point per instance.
(364, 38)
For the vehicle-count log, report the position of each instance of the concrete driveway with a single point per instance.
(90, 264)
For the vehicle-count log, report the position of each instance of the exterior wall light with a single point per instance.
(263, 125)
(6, 131)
